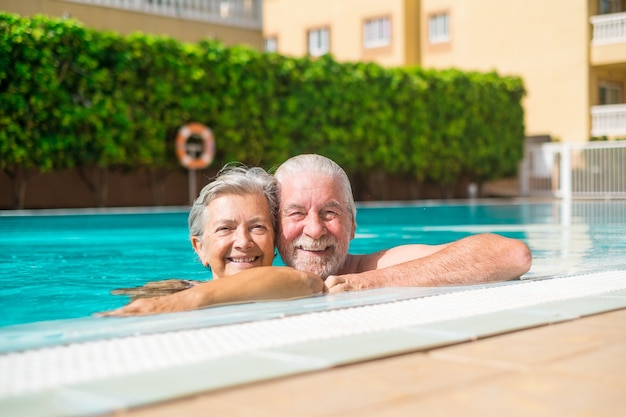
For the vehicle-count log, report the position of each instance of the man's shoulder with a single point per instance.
(355, 264)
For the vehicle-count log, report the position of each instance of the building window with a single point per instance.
(377, 32)
(610, 6)
(610, 93)
(439, 28)
(271, 44)
(319, 42)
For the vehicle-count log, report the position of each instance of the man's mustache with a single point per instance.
(306, 243)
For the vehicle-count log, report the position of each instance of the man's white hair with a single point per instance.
(319, 164)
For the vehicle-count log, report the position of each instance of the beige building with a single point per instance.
(571, 54)
(231, 21)
(352, 30)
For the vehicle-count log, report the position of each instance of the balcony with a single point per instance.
(240, 13)
(608, 120)
(608, 29)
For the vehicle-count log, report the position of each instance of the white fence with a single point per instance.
(566, 170)
(609, 28)
(241, 13)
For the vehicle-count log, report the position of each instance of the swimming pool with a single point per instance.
(58, 268)
(63, 264)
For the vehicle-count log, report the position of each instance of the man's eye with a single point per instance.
(330, 214)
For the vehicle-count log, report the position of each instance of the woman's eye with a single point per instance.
(259, 228)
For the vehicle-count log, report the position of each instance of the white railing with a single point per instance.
(241, 13)
(608, 120)
(608, 28)
(566, 170)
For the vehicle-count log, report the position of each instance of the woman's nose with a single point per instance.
(242, 238)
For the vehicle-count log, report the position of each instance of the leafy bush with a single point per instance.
(80, 98)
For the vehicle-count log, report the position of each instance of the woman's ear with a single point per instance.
(198, 247)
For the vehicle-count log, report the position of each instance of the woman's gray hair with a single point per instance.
(322, 165)
(238, 180)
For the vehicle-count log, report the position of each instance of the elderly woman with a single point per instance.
(232, 227)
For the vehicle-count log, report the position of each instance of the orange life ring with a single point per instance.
(197, 158)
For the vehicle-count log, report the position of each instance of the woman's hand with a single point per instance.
(180, 301)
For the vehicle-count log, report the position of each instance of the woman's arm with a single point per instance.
(256, 284)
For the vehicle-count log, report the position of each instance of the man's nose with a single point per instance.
(314, 227)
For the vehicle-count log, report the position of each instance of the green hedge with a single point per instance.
(76, 97)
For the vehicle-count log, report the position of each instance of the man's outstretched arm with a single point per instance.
(474, 259)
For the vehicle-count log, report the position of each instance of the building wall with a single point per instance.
(612, 54)
(544, 42)
(289, 21)
(125, 21)
(412, 44)
(547, 43)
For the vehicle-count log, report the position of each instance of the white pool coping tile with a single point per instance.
(362, 347)
(118, 393)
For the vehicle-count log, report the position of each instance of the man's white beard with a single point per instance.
(320, 265)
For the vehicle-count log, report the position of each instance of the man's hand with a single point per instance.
(342, 283)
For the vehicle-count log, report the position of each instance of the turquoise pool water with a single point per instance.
(63, 265)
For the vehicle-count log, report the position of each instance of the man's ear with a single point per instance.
(353, 229)
(198, 246)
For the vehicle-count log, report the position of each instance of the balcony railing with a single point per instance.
(240, 13)
(608, 29)
(568, 170)
(608, 120)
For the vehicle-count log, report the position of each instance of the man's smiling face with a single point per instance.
(315, 224)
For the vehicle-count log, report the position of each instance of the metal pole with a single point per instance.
(191, 175)
(524, 171)
(566, 171)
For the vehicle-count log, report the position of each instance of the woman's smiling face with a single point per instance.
(238, 234)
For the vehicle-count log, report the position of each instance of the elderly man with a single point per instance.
(318, 220)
